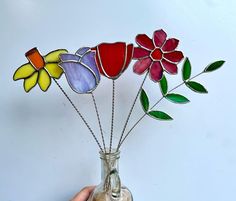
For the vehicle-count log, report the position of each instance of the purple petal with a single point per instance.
(80, 78)
(82, 51)
(89, 60)
(69, 57)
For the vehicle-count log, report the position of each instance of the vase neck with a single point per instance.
(109, 163)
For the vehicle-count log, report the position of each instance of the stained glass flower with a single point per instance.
(156, 55)
(113, 58)
(40, 69)
(81, 70)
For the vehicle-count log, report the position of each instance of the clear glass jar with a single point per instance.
(110, 187)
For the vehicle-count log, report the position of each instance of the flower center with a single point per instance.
(156, 54)
(35, 58)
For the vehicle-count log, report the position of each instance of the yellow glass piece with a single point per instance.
(30, 82)
(53, 56)
(44, 80)
(24, 71)
(54, 70)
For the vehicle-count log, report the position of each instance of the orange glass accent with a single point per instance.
(157, 54)
(35, 58)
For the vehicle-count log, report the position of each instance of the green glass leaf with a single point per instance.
(144, 100)
(214, 66)
(159, 115)
(186, 71)
(163, 85)
(196, 87)
(176, 98)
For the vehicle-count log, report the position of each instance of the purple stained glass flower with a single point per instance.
(81, 70)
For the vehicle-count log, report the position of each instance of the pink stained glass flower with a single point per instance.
(156, 55)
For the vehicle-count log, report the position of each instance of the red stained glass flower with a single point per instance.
(156, 55)
(113, 58)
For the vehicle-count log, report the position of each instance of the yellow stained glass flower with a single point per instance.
(40, 69)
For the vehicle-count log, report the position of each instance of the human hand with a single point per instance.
(84, 194)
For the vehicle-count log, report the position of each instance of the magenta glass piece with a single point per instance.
(159, 37)
(171, 68)
(156, 71)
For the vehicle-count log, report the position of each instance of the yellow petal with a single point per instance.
(24, 71)
(44, 80)
(30, 82)
(53, 56)
(54, 70)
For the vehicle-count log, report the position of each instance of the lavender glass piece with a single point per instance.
(80, 78)
(82, 51)
(69, 57)
(89, 60)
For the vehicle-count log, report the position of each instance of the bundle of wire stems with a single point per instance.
(124, 134)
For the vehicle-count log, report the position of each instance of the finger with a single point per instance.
(83, 195)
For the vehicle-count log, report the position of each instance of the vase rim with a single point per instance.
(113, 154)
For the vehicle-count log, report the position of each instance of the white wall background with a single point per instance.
(47, 154)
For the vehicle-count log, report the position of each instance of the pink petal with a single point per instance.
(144, 41)
(140, 53)
(169, 67)
(142, 65)
(170, 45)
(175, 56)
(159, 37)
(156, 71)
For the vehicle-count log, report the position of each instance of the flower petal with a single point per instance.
(111, 58)
(44, 80)
(169, 67)
(24, 71)
(97, 60)
(144, 41)
(140, 53)
(89, 60)
(159, 37)
(175, 56)
(170, 45)
(156, 71)
(142, 65)
(80, 78)
(82, 51)
(129, 54)
(69, 57)
(30, 82)
(54, 70)
(54, 55)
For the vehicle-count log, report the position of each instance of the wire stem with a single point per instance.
(99, 121)
(131, 110)
(112, 114)
(78, 112)
(128, 133)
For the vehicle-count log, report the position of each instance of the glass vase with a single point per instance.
(110, 187)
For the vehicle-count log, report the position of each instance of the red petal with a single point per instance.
(156, 71)
(170, 45)
(142, 65)
(98, 65)
(159, 37)
(111, 58)
(129, 55)
(175, 56)
(144, 41)
(140, 53)
(169, 67)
